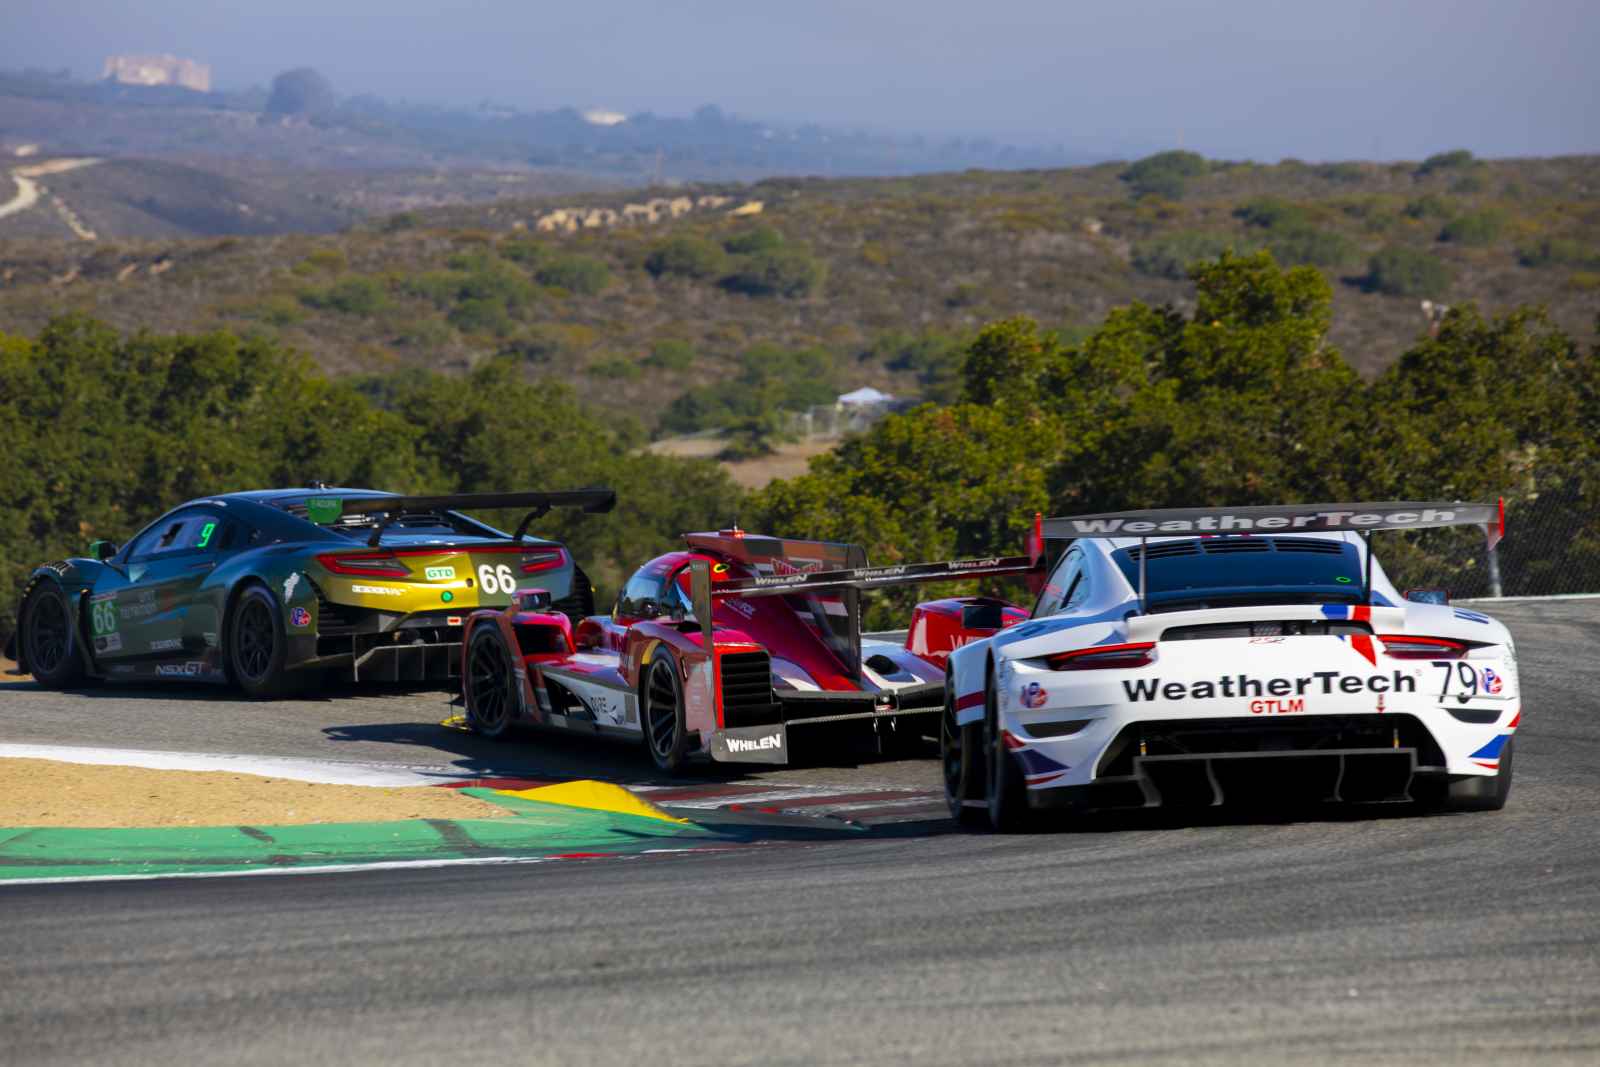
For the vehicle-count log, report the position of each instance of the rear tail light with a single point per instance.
(1405, 646)
(1104, 657)
(543, 560)
(365, 564)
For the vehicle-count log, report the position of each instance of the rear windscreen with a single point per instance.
(1219, 569)
(439, 523)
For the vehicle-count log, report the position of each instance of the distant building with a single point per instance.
(865, 397)
(158, 70)
(599, 116)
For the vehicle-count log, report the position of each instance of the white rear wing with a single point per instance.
(1269, 519)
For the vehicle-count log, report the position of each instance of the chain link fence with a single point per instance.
(1549, 549)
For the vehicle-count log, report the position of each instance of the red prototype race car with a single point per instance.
(716, 651)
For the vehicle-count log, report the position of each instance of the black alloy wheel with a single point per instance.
(664, 733)
(491, 682)
(257, 646)
(50, 646)
(953, 759)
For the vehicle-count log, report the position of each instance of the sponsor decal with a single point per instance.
(289, 584)
(719, 568)
(122, 668)
(108, 643)
(1276, 707)
(446, 596)
(166, 644)
(439, 574)
(1266, 640)
(754, 744)
(1321, 683)
(377, 590)
(869, 573)
(452, 620)
(1223, 521)
(300, 617)
(785, 566)
(1033, 695)
(178, 670)
(778, 579)
(324, 510)
(974, 564)
(1491, 681)
(211, 640)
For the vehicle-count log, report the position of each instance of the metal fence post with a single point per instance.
(1494, 564)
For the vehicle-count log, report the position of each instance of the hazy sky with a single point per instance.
(1232, 78)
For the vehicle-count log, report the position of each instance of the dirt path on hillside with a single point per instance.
(28, 190)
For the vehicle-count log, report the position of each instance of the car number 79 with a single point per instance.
(1463, 676)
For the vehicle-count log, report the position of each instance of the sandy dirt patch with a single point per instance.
(46, 793)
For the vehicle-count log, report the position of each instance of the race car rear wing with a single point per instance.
(848, 582)
(538, 504)
(779, 555)
(1363, 519)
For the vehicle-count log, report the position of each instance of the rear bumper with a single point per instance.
(1323, 776)
(760, 733)
(808, 708)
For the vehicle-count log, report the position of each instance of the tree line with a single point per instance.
(1241, 401)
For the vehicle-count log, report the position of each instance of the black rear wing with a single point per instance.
(1363, 518)
(593, 501)
(850, 582)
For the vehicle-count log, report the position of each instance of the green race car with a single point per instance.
(267, 589)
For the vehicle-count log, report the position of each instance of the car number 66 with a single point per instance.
(496, 579)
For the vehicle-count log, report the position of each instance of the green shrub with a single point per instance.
(1271, 212)
(670, 354)
(687, 257)
(1446, 161)
(1163, 174)
(1341, 172)
(1558, 251)
(1300, 245)
(1431, 206)
(482, 316)
(424, 333)
(1401, 271)
(522, 250)
(614, 369)
(1170, 256)
(353, 296)
(790, 272)
(1478, 228)
(576, 274)
(757, 239)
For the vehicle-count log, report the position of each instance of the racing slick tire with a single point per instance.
(662, 715)
(958, 745)
(489, 687)
(50, 643)
(256, 645)
(1004, 789)
(1478, 793)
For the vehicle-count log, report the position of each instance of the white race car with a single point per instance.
(1205, 656)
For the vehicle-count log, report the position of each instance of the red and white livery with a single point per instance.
(719, 650)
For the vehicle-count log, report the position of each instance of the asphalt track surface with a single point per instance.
(1261, 937)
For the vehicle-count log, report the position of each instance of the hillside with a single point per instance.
(840, 283)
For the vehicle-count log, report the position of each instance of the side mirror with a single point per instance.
(1428, 596)
(102, 550)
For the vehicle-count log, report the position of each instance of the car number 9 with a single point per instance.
(496, 579)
